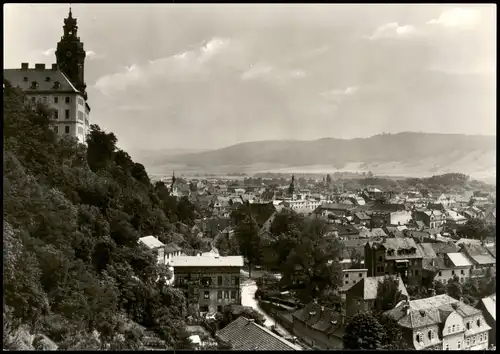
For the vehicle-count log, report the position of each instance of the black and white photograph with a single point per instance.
(249, 176)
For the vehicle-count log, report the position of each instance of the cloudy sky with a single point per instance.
(207, 76)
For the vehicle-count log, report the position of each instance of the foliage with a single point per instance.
(364, 331)
(476, 229)
(73, 215)
(249, 241)
(311, 266)
(388, 293)
(227, 246)
(454, 288)
(392, 338)
(231, 313)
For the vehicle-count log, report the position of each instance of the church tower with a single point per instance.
(70, 55)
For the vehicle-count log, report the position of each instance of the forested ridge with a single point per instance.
(74, 273)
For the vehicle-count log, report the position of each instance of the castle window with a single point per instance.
(478, 322)
(467, 325)
(56, 99)
(67, 100)
(66, 113)
(57, 85)
(66, 129)
(25, 79)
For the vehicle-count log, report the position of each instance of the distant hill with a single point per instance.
(402, 154)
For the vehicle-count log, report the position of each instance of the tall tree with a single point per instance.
(364, 331)
(247, 234)
(388, 293)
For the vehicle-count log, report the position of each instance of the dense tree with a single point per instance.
(249, 241)
(388, 293)
(72, 217)
(476, 229)
(311, 267)
(454, 288)
(363, 331)
(392, 338)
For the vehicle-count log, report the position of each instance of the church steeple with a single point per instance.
(71, 55)
(291, 188)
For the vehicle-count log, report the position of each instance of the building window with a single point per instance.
(459, 344)
(25, 79)
(233, 294)
(57, 85)
(47, 79)
(226, 294)
(419, 338)
(449, 329)
(453, 328)
(452, 272)
(66, 129)
(219, 294)
(467, 325)
(204, 308)
(219, 280)
(478, 322)
(56, 129)
(473, 340)
(447, 347)
(430, 334)
(219, 308)
(44, 99)
(56, 114)
(34, 85)
(346, 275)
(347, 282)
(206, 295)
(485, 336)
(360, 275)
(80, 116)
(80, 130)
(481, 337)
(467, 342)
(56, 99)
(462, 272)
(67, 100)
(416, 272)
(380, 258)
(66, 113)
(440, 274)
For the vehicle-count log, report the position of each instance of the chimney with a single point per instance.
(24, 66)
(54, 66)
(39, 66)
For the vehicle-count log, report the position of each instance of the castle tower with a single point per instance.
(70, 55)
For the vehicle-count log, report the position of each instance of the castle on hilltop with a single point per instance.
(62, 87)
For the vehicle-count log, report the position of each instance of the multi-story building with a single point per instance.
(441, 323)
(394, 256)
(61, 87)
(209, 281)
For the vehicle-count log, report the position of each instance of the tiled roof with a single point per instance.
(244, 334)
(427, 250)
(362, 216)
(207, 261)
(17, 78)
(459, 259)
(492, 250)
(479, 254)
(367, 287)
(321, 318)
(440, 247)
(490, 304)
(397, 244)
(151, 242)
(335, 206)
(468, 241)
(172, 247)
(428, 311)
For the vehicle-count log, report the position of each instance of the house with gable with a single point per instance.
(441, 323)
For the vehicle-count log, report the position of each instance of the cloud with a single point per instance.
(49, 52)
(297, 74)
(256, 71)
(91, 55)
(339, 95)
(393, 30)
(457, 17)
(179, 67)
